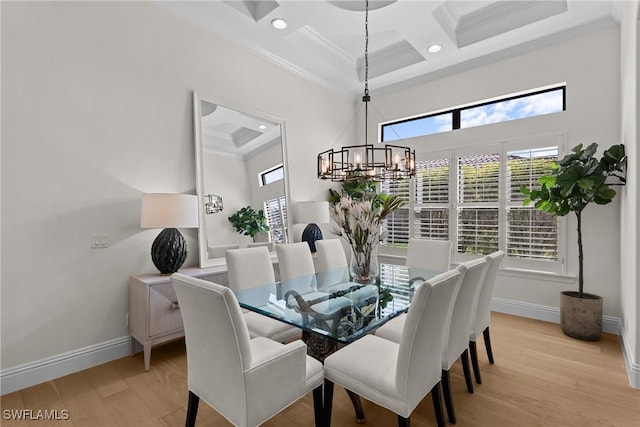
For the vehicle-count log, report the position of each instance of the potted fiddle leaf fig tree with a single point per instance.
(249, 222)
(572, 184)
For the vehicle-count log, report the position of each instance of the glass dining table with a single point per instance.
(332, 311)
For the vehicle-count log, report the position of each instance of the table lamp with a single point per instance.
(169, 211)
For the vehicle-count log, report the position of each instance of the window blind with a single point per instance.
(400, 276)
(276, 213)
(477, 188)
(396, 226)
(431, 208)
(530, 233)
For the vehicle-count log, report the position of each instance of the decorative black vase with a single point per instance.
(310, 234)
(169, 251)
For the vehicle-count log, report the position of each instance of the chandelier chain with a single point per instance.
(366, 48)
(368, 162)
(366, 97)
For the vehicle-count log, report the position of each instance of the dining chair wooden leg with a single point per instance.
(403, 422)
(328, 402)
(192, 409)
(467, 372)
(318, 406)
(474, 361)
(437, 405)
(487, 344)
(448, 398)
(357, 407)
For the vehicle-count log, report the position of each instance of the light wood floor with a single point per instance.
(540, 378)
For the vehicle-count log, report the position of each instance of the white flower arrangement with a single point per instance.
(359, 222)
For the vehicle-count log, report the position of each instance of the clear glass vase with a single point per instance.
(364, 267)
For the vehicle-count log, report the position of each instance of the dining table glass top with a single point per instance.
(330, 305)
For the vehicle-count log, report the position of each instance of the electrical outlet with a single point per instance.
(126, 319)
(99, 240)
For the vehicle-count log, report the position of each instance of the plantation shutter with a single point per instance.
(477, 193)
(400, 276)
(396, 225)
(531, 233)
(276, 213)
(431, 207)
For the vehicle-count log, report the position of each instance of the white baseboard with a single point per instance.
(544, 312)
(610, 324)
(633, 369)
(37, 372)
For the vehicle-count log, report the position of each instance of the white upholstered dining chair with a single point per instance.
(481, 313)
(248, 268)
(268, 245)
(219, 251)
(332, 266)
(455, 342)
(246, 380)
(297, 271)
(429, 254)
(398, 376)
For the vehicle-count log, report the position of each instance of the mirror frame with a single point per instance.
(205, 261)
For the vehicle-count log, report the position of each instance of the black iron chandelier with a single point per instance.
(368, 162)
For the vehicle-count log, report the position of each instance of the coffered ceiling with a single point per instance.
(324, 40)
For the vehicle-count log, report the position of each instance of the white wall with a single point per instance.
(96, 110)
(589, 65)
(629, 240)
(258, 163)
(227, 177)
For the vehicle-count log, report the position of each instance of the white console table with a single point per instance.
(154, 313)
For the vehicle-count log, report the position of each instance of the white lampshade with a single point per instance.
(169, 210)
(311, 212)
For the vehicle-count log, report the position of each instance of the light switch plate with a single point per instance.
(99, 240)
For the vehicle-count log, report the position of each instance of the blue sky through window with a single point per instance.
(538, 104)
(418, 127)
(519, 108)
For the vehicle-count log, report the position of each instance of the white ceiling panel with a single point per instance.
(324, 40)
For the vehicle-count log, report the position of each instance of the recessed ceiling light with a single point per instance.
(279, 23)
(262, 127)
(434, 48)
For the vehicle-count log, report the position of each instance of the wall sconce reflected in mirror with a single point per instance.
(212, 204)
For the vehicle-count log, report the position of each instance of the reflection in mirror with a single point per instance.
(239, 163)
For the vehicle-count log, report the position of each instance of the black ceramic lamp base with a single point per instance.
(310, 234)
(169, 251)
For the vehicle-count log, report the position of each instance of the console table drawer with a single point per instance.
(164, 312)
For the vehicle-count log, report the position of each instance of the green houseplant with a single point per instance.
(249, 222)
(573, 183)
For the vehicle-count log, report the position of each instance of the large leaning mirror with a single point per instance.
(239, 163)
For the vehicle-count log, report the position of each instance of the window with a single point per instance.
(530, 233)
(431, 201)
(511, 107)
(477, 204)
(521, 107)
(417, 127)
(396, 226)
(426, 208)
(400, 275)
(276, 213)
(271, 175)
(477, 194)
